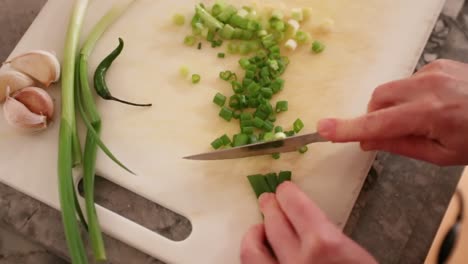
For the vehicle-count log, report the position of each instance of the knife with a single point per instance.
(289, 144)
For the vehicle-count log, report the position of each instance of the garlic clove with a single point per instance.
(38, 64)
(13, 79)
(37, 100)
(19, 116)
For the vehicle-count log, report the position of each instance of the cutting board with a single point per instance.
(372, 42)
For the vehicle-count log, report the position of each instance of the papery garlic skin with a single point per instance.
(41, 65)
(19, 116)
(13, 79)
(37, 100)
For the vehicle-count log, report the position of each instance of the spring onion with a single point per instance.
(268, 183)
(226, 113)
(221, 55)
(189, 40)
(196, 78)
(298, 125)
(67, 123)
(281, 106)
(276, 156)
(303, 149)
(184, 71)
(302, 36)
(317, 47)
(219, 99)
(297, 14)
(178, 19)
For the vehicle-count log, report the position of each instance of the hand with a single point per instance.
(423, 117)
(298, 233)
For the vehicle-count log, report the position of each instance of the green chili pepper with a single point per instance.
(100, 76)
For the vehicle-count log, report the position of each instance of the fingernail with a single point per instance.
(265, 199)
(327, 127)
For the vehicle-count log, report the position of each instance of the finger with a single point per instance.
(391, 93)
(451, 67)
(303, 214)
(253, 249)
(282, 237)
(402, 120)
(406, 90)
(414, 147)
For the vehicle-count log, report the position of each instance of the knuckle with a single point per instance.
(247, 254)
(323, 246)
(437, 65)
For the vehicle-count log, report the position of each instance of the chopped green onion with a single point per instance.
(259, 184)
(278, 25)
(219, 99)
(178, 19)
(184, 71)
(225, 75)
(236, 114)
(276, 155)
(208, 19)
(246, 123)
(199, 45)
(240, 139)
(226, 140)
(297, 14)
(244, 63)
(258, 122)
(280, 135)
(217, 143)
(302, 37)
(189, 40)
(233, 48)
(225, 113)
(272, 180)
(278, 129)
(226, 13)
(277, 14)
(253, 139)
(303, 149)
(221, 55)
(266, 92)
(289, 133)
(281, 106)
(217, 9)
(268, 126)
(246, 116)
(244, 48)
(318, 47)
(298, 125)
(284, 176)
(247, 130)
(196, 78)
(237, 87)
(269, 136)
(227, 32)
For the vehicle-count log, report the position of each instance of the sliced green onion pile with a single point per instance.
(259, 41)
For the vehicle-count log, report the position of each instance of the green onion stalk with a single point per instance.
(76, 94)
(67, 124)
(86, 101)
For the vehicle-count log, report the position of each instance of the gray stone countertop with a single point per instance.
(395, 217)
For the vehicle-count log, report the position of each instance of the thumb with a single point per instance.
(394, 122)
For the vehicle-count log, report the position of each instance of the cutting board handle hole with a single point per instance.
(140, 210)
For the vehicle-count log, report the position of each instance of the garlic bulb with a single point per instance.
(28, 109)
(38, 64)
(13, 79)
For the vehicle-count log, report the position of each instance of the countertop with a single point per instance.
(396, 216)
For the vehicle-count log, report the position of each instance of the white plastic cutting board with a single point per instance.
(373, 41)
